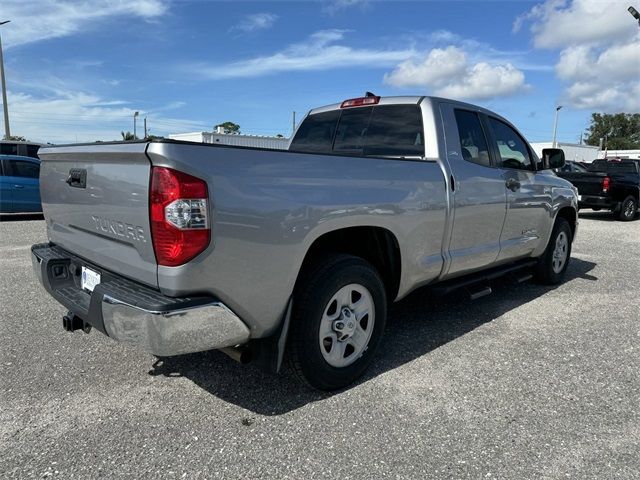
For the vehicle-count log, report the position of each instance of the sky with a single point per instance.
(78, 70)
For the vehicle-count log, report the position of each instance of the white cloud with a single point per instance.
(36, 20)
(318, 52)
(335, 6)
(70, 116)
(435, 70)
(602, 79)
(559, 23)
(448, 73)
(600, 51)
(616, 63)
(484, 81)
(255, 21)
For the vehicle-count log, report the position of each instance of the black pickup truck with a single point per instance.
(610, 184)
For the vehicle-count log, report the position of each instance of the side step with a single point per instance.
(476, 283)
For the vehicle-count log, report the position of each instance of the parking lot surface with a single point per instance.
(530, 382)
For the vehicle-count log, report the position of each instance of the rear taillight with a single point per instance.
(606, 183)
(179, 216)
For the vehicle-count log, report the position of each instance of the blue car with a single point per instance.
(19, 184)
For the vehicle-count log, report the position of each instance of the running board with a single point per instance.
(476, 283)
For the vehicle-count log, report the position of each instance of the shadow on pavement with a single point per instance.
(604, 215)
(416, 325)
(20, 217)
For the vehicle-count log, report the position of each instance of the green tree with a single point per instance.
(127, 137)
(17, 138)
(229, 127)
(621, 130)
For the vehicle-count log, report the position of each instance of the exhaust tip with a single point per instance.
(242, 354)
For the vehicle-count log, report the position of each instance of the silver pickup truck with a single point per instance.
(180, 247)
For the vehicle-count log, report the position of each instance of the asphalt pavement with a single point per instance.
(529, 382)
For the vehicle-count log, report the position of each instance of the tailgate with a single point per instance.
(95, 200)
(587, 183)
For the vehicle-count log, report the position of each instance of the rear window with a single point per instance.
(316, 133)
(8, 148)
(609, 166)
(32, 151)
(387, 130)
(352, 131)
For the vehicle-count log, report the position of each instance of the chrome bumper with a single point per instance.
(173, 332)
(135, 314)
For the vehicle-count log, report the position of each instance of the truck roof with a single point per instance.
(408, 100)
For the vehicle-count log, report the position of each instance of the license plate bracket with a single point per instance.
(89, 279)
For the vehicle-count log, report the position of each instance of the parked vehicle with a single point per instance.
(609, 184)
(570, 166)
(182, 247)
(18, 147)
(19, 184)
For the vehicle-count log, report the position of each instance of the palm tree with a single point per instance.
(127, 137)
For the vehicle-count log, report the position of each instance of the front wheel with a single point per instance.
(628, 209)
(339, 314)
(553, 263)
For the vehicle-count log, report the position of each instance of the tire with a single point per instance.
(327, 349)
(628, 209)
(553, 263)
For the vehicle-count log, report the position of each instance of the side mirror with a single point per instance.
(552, 158)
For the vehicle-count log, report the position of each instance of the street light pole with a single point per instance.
(135, 115)
(555, 127)
(635, 14)
(7, 131)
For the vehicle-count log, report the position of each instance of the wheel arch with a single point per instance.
(571, 216)
(377, 245)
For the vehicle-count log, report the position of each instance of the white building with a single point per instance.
(631, 154)
(256, 141)
(573, 152)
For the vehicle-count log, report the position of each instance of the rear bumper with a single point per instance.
(591, 201)
(136, 314)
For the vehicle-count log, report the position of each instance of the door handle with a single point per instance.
(512, 184)
(18, 186)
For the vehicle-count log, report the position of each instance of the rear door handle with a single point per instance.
(512, 184)
(18, 186)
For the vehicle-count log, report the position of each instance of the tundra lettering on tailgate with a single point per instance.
(119, 229)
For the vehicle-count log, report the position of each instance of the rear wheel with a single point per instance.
(628, 209)
(553, 264)
(339, 314)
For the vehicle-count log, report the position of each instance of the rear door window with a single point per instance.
(17, 168)
(315, 135)
(395, 130)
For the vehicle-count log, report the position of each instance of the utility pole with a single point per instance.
(7, 131)
(145, 127)
(555, 127)
(135, 115)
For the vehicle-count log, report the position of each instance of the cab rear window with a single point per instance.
(316, 133)
(385, 130)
